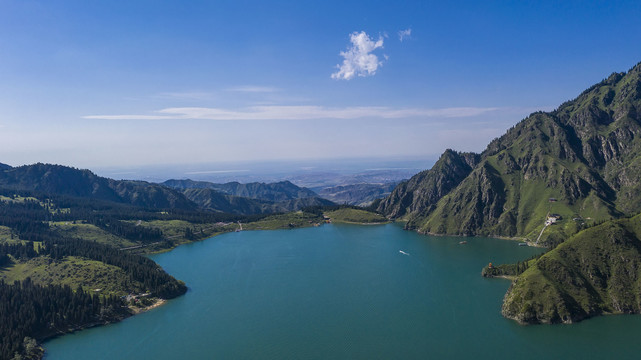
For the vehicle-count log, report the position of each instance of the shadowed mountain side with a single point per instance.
(423, 190)
(62, 180)
(279, 191)
(213, 200)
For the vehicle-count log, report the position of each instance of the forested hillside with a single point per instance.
(248, 199)
(278, 191)
(63, 180)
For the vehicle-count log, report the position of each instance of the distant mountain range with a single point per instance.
(62, 180)
(247, 199)
(278, 191)
(234, 198)
(357, 194)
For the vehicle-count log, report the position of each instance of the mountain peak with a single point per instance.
(586, 154)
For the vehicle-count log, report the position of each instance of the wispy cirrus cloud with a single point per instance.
(254, 89)
(193, 95)
(292, 112)
(404, 34)
(358, 60)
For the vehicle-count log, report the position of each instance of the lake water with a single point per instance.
(343, 292)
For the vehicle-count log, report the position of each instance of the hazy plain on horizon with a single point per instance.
(301, 172)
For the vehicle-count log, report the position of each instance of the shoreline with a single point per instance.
(133, 311)
(360, 223)
(136, 310)
(508, 238)
(504, 277)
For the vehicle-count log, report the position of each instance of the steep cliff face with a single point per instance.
(423, 190)
(476, 203)
(594, 272)
(586, 156)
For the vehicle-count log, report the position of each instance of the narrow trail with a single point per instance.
(541, 234)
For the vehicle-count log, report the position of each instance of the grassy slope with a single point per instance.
(73, 271)
(5, 235)
(524, 203)
(587, 154)
(284, 221)
(174, 231)
(349, 215)
(91, 233)
(594, 272)
(17, 198)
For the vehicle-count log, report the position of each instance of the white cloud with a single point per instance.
(404, 34)
(293, 112)
(358, 59)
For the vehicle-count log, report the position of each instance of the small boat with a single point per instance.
(462, 242)
(403, 252)
(523, 244)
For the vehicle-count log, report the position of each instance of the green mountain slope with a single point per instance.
(247, 199)
(585, 155)
(278, 191)
(62, 180)
(213, 200)
(594, 272)
(420, 193)
(357, 194)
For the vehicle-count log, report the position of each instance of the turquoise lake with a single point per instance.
(343, 292)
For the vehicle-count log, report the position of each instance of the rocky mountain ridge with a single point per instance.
(278, 191)
(68, 181)
(585, 155)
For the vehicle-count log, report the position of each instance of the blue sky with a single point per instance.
(108, 83)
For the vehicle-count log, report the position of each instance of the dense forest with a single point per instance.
(31, 311)
(140, 268)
